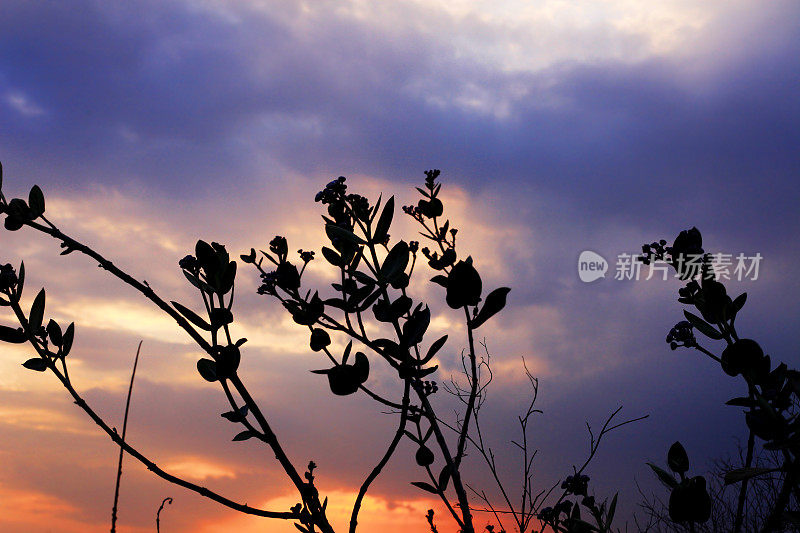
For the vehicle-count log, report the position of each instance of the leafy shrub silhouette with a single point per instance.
(771, 407)
(373, 283)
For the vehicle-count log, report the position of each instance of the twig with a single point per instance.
(122, 450)
(158, 513)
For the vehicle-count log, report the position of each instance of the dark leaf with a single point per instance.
(13, 223)
(400, 281)
(319, 339)
(427, 371)
(663, 476)
(69, 336)
(742, 402)
(363, 277)
(21, 278)
(346, 353)
(495, 302)
(234, 416)
(207, 369)
(244, 435)
(249, 258)
(197, 282)
(611, 510)
(702, 326)
(36, 201)
(54, 332)
(288, 278)
(416, 326)
(227, 278)
(193, 317)
(425, 486)
(37, 363)
(399, 307)
(395, 262)
(361, 367)
(740, 474)
(435, 347)
(385, 220)
(444, 478)
(331, 256)
(373, 211)
(37, 312)
(206, 255)
(338, 303)
(360, 294)
(738, 303)
(338, 232)
(388, 348)
(342, 379)
(440, 280)
(424, 456)
(677, 460)
(16, 336)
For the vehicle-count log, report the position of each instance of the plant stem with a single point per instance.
(121, 450)
(743, 489)
(384, 460)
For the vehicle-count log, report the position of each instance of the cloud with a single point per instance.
(559, 129)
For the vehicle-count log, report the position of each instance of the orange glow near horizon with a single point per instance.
(376, 515)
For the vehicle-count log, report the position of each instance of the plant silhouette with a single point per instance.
(771, 406)
(384, 328)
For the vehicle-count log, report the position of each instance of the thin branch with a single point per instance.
(80, 402)
(158, 513)
(124, 431)
(384, 460)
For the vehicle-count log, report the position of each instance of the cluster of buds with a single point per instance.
(428, 387)
(429, 206)
(577, 484)
(414, 414)
(268, 282)
(279, 247)
(8, 278)
(549, 515)
(190, 264)
(359, 206)
(653, 252)
(333, 192)
(681, 334)
(306, 255)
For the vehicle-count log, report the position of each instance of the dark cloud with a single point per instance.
(184, 101)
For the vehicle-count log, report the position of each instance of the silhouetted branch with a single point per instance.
(158, 513)
(124, 431)
(80, 402)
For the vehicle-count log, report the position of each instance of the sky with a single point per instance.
(559, 127)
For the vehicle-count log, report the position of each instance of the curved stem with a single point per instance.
(124, 431)
(398, 435)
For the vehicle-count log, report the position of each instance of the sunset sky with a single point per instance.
(559, 126)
